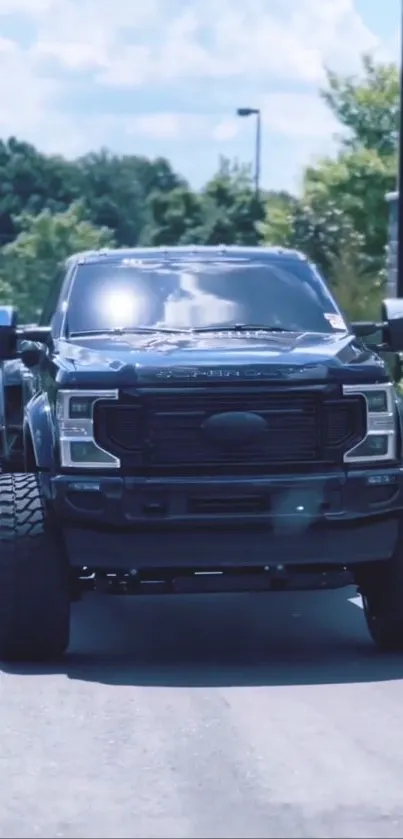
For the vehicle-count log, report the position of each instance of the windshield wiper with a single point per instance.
(139, 330)
(243, 327)
(123, 330)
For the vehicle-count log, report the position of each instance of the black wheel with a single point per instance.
(34, 575)
(382, 597)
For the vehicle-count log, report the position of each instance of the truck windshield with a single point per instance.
(282, 293)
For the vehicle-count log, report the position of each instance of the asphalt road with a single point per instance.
(259, 716)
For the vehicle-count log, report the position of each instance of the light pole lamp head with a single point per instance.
(246, 112)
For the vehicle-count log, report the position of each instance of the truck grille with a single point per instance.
(163, 430)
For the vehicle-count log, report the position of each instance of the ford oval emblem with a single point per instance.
(234, 428)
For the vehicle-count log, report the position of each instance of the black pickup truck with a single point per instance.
(196, 419)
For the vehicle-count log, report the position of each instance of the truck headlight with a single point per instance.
(75, 419)
(379, 444)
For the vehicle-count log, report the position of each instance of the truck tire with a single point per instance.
(34, 575)
(382, 597)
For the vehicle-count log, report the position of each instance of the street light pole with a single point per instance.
(247, 112)
(258, 151)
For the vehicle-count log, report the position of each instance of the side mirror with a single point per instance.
(33, 342)
(13, 338)
(386, 336)
(8, 333)
(31, 353)
(31, 332)
(392, 316)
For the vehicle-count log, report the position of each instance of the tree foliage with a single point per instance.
(367, 107)
(50, 208)
(30, 263)
(340, 221)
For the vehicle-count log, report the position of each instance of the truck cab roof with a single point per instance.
(174, 252)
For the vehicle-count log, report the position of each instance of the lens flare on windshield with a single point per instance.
(120, 307)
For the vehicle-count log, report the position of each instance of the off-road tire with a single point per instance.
(34, 575)
(382, 597)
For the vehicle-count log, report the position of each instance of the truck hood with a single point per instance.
(150, 359)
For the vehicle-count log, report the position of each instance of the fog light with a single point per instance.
(375, 445)
(88, 452)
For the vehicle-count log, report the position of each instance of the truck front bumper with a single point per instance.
(137, 523)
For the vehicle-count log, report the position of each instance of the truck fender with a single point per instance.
(399, 410)
(39, 433)
(3, 421)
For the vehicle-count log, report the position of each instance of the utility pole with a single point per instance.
(247, 112)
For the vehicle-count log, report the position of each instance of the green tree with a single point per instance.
(367, 106)
(155, 175)
(31, 261)
(357, 183)
(116, 191)
(357, 288)
(226, 211)
(231, 210)
(114, 188)
(338, 249)
(31, 182)
(113, 195)
(341, 218)
(278, 225)
(175, 216)
(365, 169)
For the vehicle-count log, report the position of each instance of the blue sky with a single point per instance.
(164, 77)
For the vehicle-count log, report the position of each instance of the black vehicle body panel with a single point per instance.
(218, 523)
(204, 518)
(126, 360)
(141, 364)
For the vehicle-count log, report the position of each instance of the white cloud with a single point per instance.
(172, 45)
(170, 40)
(24, 98)
(162, 125)
(226, 129)
(298, 115)
(28, 7)
(284, 40)
(180, 127)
